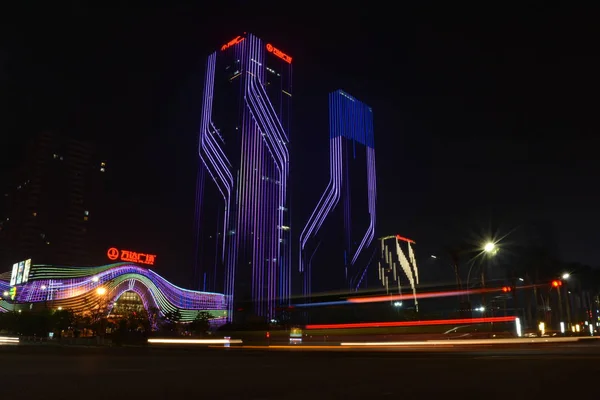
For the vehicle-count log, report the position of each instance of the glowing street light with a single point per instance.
(101, 291)
(566, 275)
(398, 304)
(489, 247)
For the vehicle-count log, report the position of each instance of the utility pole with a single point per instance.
(567, 305)
(560, 307)
(483, 288)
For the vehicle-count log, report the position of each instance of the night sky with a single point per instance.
(485, 119)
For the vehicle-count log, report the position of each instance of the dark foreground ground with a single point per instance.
(151, 373)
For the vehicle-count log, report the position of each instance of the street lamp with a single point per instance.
(490, 249)
(566, 275)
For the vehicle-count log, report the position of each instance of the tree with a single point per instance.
(201, 324)
(62, 320)
(169, 322)
(154, 318)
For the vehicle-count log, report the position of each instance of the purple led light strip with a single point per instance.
(258, 216)
(353, 121)
(372, 183)
(61, 289)
(210, 152)
(273, 137)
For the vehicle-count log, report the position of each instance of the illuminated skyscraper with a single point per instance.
(243, 246)
(336, 255)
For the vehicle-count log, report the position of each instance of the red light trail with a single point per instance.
(399, 297)
(456, 321)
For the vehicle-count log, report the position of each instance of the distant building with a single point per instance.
(397, 266)
(336, 244)
(48, 205)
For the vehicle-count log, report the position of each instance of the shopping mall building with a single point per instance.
(30, 286)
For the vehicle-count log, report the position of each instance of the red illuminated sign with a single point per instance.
(279, 53)
(232, 42)
(130, 256)
(405, 239)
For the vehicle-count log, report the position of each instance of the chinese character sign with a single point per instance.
(114, 254)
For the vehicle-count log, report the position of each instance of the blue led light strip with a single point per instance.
(351, 123)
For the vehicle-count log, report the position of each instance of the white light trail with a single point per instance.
(194, 341)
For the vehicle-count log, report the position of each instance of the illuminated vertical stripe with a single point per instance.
(271, 195)
(351, 124)
(200, 180)
(213, 158)
(256, 193)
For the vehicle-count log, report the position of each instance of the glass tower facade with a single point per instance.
(242, 217)
(336, 244)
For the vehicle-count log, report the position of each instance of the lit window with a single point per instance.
(35, 214)
(101, 169)
(47, 242)
(61, 158)
(86, 212)
(85, 218)
(103, 164)
(55, 156)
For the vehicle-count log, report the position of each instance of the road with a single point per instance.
(237, 373)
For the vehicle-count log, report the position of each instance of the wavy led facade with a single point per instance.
(76, 288)
(352, 191)
(242, 218)
(394, 261)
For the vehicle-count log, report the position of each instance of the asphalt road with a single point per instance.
(150, 373)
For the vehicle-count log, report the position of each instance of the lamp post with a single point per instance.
(565, 277)
(489, 249)
(557, 284)
(102, 303)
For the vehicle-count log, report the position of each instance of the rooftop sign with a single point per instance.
(232, 42)
(114, 254)
(279, 53)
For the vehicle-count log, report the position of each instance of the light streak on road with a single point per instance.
(455, 321)
(194, 341)
(9, 340)
(399, 297)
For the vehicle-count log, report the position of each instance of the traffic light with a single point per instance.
(556, 283)
(506, 289)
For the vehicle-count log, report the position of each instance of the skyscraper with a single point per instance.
(242, 217)
(336, 243)
(51, 203)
